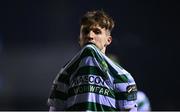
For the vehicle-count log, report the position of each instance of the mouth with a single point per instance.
(89, 42)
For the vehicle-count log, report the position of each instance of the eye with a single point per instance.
(97, 31)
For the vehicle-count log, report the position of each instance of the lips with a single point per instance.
(89, 41)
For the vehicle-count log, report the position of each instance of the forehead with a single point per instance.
(92, 27)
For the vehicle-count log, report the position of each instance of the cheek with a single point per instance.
(99, 40)
(102, 42)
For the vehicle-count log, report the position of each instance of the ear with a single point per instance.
(80, 41)
(109, 40)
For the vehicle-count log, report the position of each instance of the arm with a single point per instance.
(58, 93)
(126, 94)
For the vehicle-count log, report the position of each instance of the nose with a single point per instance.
(91, 34)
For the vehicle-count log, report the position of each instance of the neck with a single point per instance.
(103, 50)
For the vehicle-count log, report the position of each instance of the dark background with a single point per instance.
(37, 37)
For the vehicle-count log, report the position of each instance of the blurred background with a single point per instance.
(37, 37)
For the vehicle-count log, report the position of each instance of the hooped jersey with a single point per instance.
(92, 82)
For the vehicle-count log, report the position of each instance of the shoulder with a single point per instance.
(141, 95)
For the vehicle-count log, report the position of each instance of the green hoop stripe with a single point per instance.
(90, 70)
(121, 79)
(118, 78)
(141, 104)
(73, 67)
(89, 51)
(126, 96)
(63, 78)
(58, 95)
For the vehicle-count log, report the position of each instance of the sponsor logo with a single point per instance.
(131, 88)
(88, 79)
(91, 88)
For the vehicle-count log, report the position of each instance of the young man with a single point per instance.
(91, 81)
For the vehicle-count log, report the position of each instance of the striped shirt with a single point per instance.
(92, 82)
(143, 102)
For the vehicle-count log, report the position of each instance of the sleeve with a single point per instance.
(59, 92)
(143, 102)
(126, 92)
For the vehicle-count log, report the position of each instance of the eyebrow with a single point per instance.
(95, 27)
(91, 27)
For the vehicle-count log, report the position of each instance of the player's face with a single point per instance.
(94, 34)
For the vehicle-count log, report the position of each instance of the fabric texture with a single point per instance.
(143, 102)
(92, 82)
